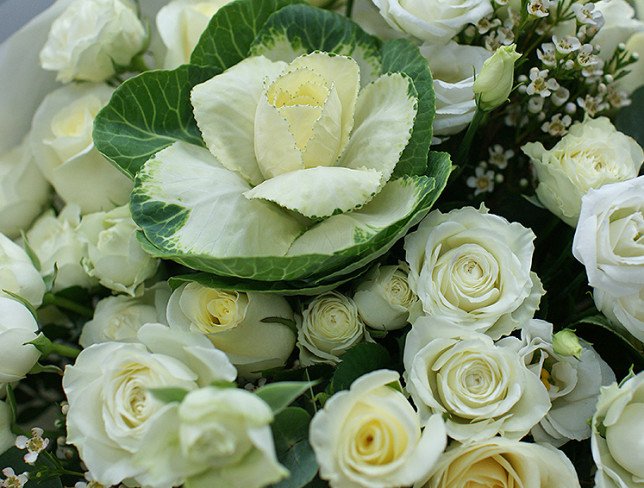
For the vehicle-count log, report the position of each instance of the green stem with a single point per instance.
(139, 64)
(466, 143)
(65, 351)
(67, 304)
(349, 10)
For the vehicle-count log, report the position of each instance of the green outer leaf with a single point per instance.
(291, 434)
(401, 56)
(231, 31)
(169, 395)
(357, 361)
(148, 113)
(278, 396)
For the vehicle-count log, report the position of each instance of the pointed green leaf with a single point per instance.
(169, 395)
(357, 361)
(278, 396)
(148, 113)
(291, 434)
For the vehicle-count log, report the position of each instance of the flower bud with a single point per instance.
(566, 343)
(494, 84)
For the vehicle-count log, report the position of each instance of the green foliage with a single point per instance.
(291, 435)
(278, 396)
(357, 361)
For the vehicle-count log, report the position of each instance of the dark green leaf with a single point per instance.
(148, 113)
(630, 120)
(357, 361)
(291, 432)
(280, 395)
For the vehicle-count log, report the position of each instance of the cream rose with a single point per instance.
(620, 23)
(17, 326)
(90, 37)
(119, 318)
(453, 69)
(384, 298)
(371, 436)
(7, 438)
(118, 426)
(503, 463)
(114, 256)
(233, 322)
(23, 190)
(623, 311)
(473, 268)
(434, 21)
(226, 440)
(18, 274)
(592, 154)
(482, 388)
(58, 245)
(617, 440)
(330, 326)
(62, 145)
(180, 24)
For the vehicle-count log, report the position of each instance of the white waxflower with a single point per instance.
(557, 126)
(482, 181)
(34, 444)
(235, 323)
(567, 44)
(59, 247)
(499, 157)
(540, 84)
(617, 434)
(547, 54)
(17, 327)
(18, 274)
(473, 268)
(63, 148)
(482, 388)
(23, 190)
(586, 13)
(433, 21)
(371, 436)
(539, 8)
(90, 37)
(13, 480)
(121, 430)
(592, 154)
(114, 256)
(560, 96)
(384, 297)
(330, 326)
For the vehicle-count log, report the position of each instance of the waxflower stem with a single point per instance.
(67, 304)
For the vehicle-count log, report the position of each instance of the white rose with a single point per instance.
(617, 440)
(592, 154)
(114, 255)
(608, 238)
(181, 23)
(226, 439)
(435, 21)
(7, 438)
(90, 37)
(118, 426)
(23, 190)
(619, 25)
(473, 268)
(58, 246)
(119, 318)
(483, 388)
(18, 274)
(371, 436)
(366, 15)
(572, 383)
(503, 463)
(453, 68)
(233, 323)
(62, 145)
(17, 326)
(384, 298)
(330, 326)
(623, 311)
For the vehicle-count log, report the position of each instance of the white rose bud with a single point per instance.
(114, 256)
(494, 83)
(371, 436)
(58, 245)
(454, 68)
(90, 37)
(121, 429)
(17, 327)
(483, 388)
(7, 438)
(23, 190)
(18, 274)
(330, 326)
(384, 298)
(63, 148)
(434, 21)
(503, 463)
(233, 323)
(226, 439)
(473, 268)
(617, 440)
(592, 154)
(566, 343)
(119, 318)
(180, 24)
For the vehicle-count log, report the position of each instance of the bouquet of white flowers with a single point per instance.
(346, 243)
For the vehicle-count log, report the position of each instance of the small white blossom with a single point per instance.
(594, 72)
(585, 57)
(560, 96)
(535, 105)
(13, 480)
(506, 36)
(513, 114)
(569, 64)
(34, 445)
(492, 42)
(539, 8)
(482, 182)
(557, 126)
(586, 14)
(499, 157)
(592, 105)
(616, 97)
(540, 83)
(547, 54)
(586, 32)
(486, 24)
(567, 44)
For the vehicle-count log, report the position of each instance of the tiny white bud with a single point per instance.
(499, 178)
(621, 46)
(523, 182)
(570, 108)
(609, 78)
